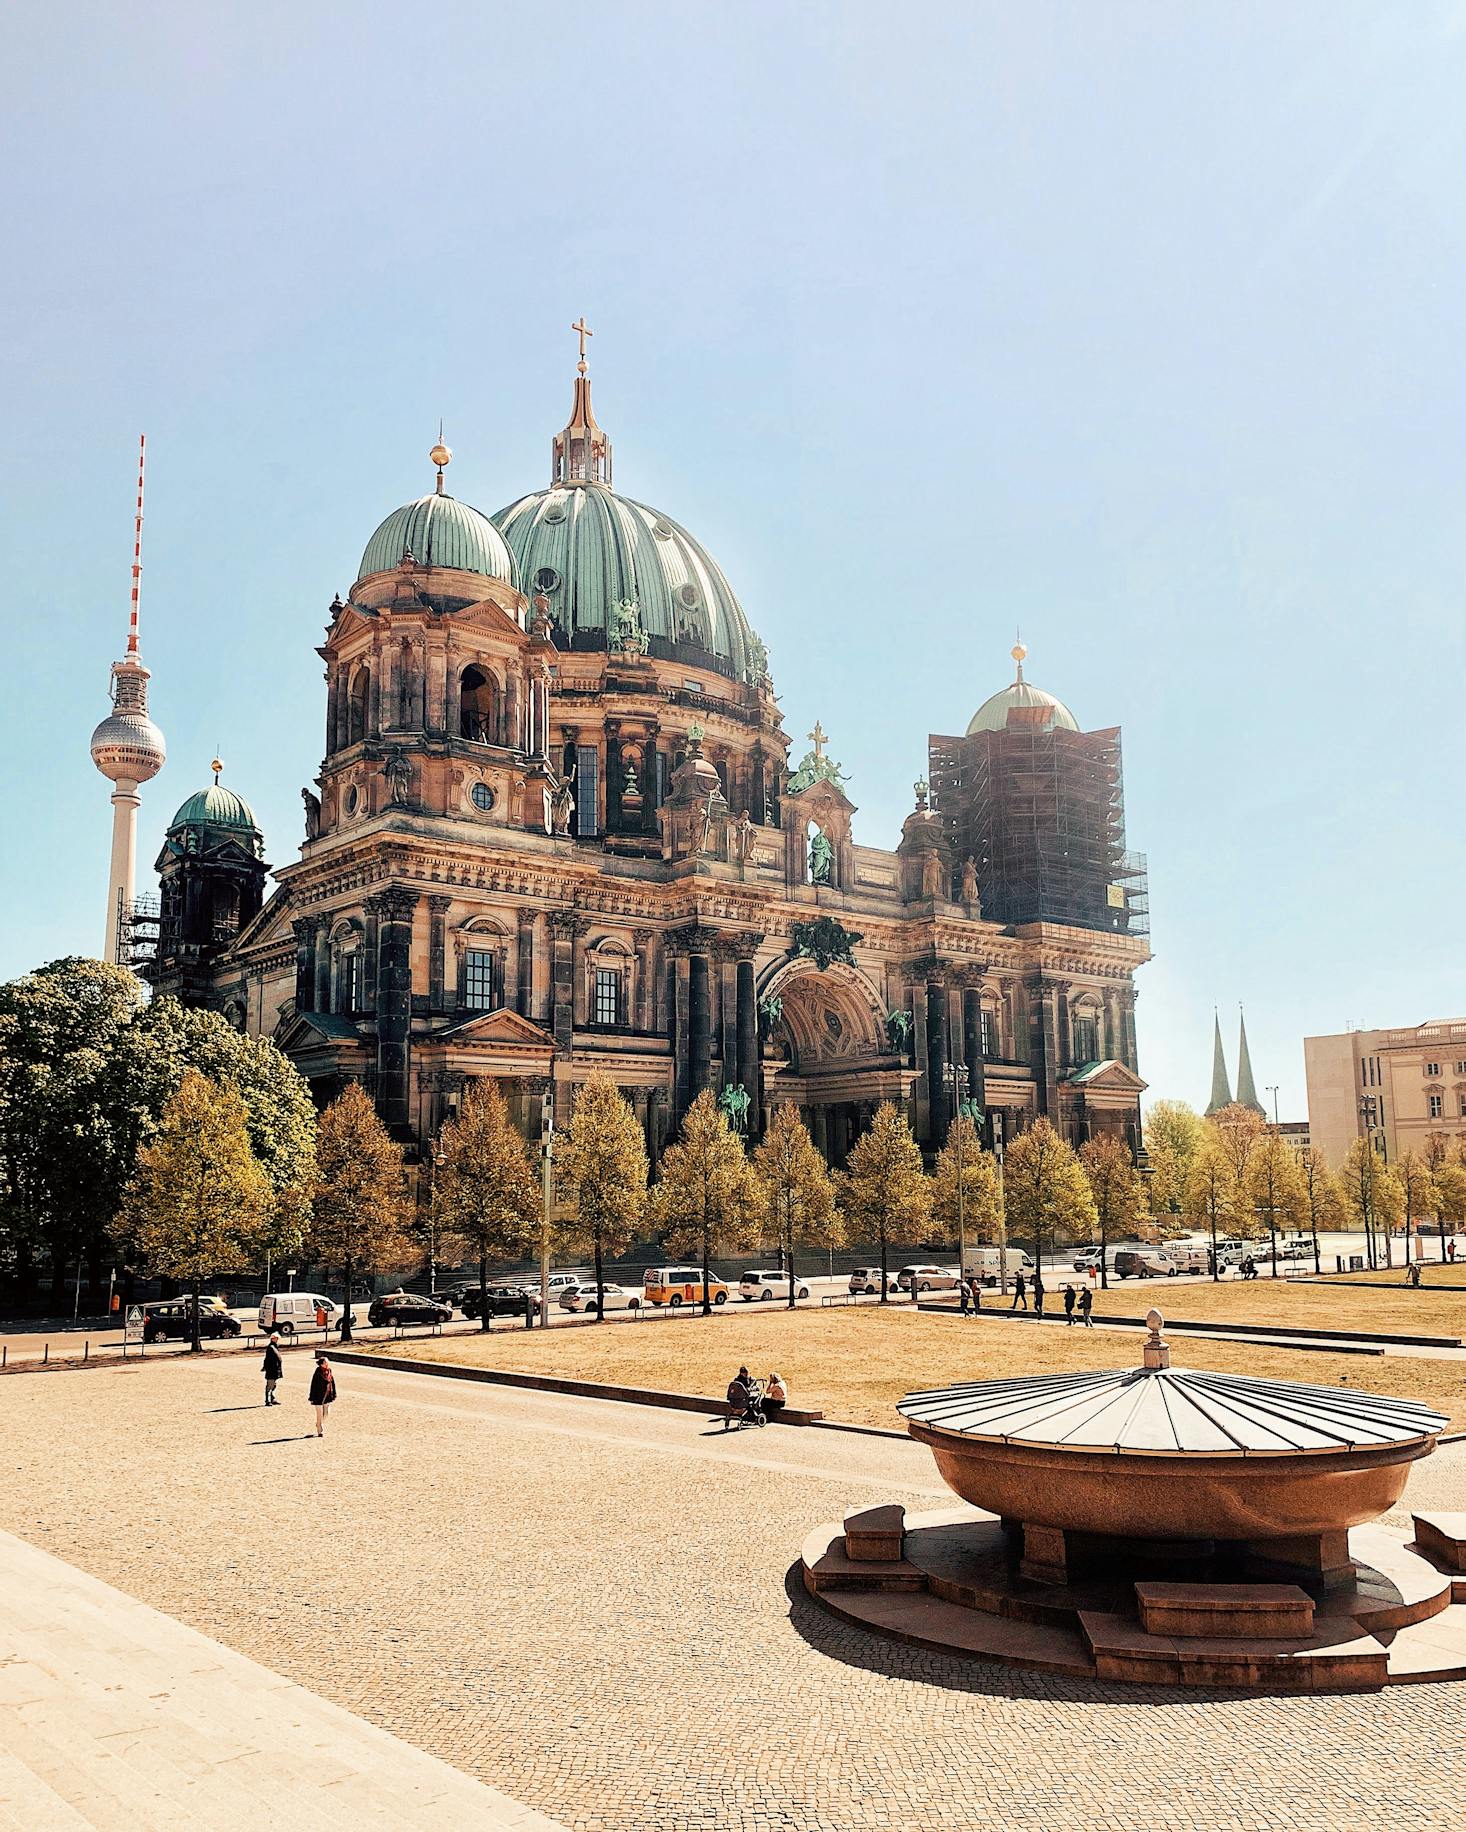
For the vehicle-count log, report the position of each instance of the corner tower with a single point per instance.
(127, 747)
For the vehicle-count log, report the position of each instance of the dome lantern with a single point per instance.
(580, 452)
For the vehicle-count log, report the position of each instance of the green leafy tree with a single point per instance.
(1211, 1194)
(1450, 1183)
(706, 1200)
(485, 1198)
(199, 1201)
(796, 1193)
(967, 1192)
(884, 1194)
(1419, 1191)
(1173, 1131)
(602, 1172)
(1321, 1193)
(1372, 1194)
(1275, 1188)
(359, 1212)
(1117, 1190)
(1045, 1189)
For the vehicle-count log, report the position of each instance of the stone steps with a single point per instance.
(931, 1622)
(1430, 1650)
(1335, 1657)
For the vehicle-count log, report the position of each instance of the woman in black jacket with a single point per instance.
(273, 1369)
(323, 1390)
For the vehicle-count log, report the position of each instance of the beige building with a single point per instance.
(1399, 1086)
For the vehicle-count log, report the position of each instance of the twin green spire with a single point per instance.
(1221, 1087)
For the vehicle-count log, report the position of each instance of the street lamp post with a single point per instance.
(956, 1078)
(1305, 1157)
(1367, 1110)
(1272, 1088)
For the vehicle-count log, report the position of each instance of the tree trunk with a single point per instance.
(195, 1342)
(789, 1249)
(600, 1281)
(483, 1288)
(346, 1308)
(1104, 1254)
(1216, 1271)
(885, 1273)
(707, 1272)
(1272, 1236)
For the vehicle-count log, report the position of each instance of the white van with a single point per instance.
(289, 1311)
(1189, 1255)
(985, 1262)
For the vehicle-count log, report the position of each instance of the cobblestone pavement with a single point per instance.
(590, 1606)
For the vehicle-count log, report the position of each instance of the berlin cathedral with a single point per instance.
(559, 829)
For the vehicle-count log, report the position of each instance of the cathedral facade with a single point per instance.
(558, 830)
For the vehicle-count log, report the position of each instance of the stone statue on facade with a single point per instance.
(969, 885)
(312, 813)
(562, 806)
(743, 838)
(626, 632)
(733, 1101)
(898, 1031)
(931, 874)
(770, 1015)
(757, 671)
(398, 772)
(821, 858)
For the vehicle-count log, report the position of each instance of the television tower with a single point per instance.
(127, 747)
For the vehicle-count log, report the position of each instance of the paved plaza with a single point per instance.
(589, 1607)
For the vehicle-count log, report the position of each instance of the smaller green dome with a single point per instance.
(215, 806)
(1021, 704)
(438, 530)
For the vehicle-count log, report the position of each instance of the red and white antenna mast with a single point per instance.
(137, 546)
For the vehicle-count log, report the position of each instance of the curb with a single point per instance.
(1340, 1342)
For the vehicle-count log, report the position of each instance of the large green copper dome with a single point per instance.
(215, 806)
(586, 550)
(438, 530)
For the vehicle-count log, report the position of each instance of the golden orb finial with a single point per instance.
(1019, 652)
(441, 455)
(217, 766)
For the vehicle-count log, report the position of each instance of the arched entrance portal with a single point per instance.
(828, 1053)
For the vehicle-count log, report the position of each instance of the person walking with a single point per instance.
(962, 1297)
(976, 1283)
(273, 1369)
(1038, 1291)
(1020, 1294)
(1086, 1305)
(1068, 1304)
(322, 1391)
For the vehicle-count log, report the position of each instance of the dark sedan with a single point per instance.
(174, 1317)
(404, 1308)
(499, 1301)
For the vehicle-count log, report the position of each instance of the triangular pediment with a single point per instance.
(823, 794)
(306, 1030)
(1109, 1077)
(503, 1028)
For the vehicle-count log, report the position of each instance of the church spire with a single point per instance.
(581, 452)
(1221, 1087)
(1246, 1088)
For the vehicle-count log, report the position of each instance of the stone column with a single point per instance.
(656, 1125)
(565, 926)
(1043, 1028)
(438, 908)
(641, 1015)
(453, 695)
(748, 1057)
(435, 696)
(936, 1056)
(323, 969)
(393, 910)
(387, 699)
(524, 966)
(306, 932)
(972, 1039)
(699, 1018)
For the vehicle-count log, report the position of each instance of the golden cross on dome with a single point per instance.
(584, 332)
(817, 738)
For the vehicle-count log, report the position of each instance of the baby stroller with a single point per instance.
(753, 1407)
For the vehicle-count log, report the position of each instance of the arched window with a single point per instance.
(356, 725)
(478, 717)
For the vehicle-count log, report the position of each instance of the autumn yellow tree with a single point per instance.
(1117, 1189)
(1450, 1183)
(199, 1202)
(967, 1192)
(884, 1194)
(486, 1200)
(1172, 1133)
(1211, 1194)
(795, 1190)
(1372, 1194)
(1420, 1193)
(1275, 1188)
(359, 1214)
(706, 1199)
(601, 1171)
(1045, 1190)
(1321, 1193)
(1238, 1131)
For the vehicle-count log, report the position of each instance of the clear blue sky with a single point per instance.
(1137, 325)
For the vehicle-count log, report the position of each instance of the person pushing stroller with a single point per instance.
(745, 1401)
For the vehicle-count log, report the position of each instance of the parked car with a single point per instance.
(1143, 1263)
(618, 1297)
(987, 1262)
(174, 1317)
(288, 1311)
(500, 1300)
(678, 1285)
(868, 1279)
(407, 1307)
(927, 1278)
(766, 1285)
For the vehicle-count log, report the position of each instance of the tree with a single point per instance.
(967, 1192)
(884, 1194)
(602, 1169)
(707, 1196)
(1275, 1188)
(1172, 1133)
(1211, 1193)
(1117, 1190)
(795, 1191)
(484, 1194)
(1450, 1183)
(1372, 1194)
(1419, 1192)
(358, 1215)
(1238, 1131)
(1045, 1189)
(199, 1200)
(1322, 1195)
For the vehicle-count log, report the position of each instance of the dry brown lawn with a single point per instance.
(1342, 1303)
(854, 1364)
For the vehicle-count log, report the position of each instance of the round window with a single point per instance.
(352, 798)
(483, 797)
(546, 579)
(688, 594)
(555, 513)
(662, 529)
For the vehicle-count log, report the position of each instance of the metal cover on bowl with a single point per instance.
(1172, 1412)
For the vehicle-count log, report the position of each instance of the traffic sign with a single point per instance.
(134, 1330)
